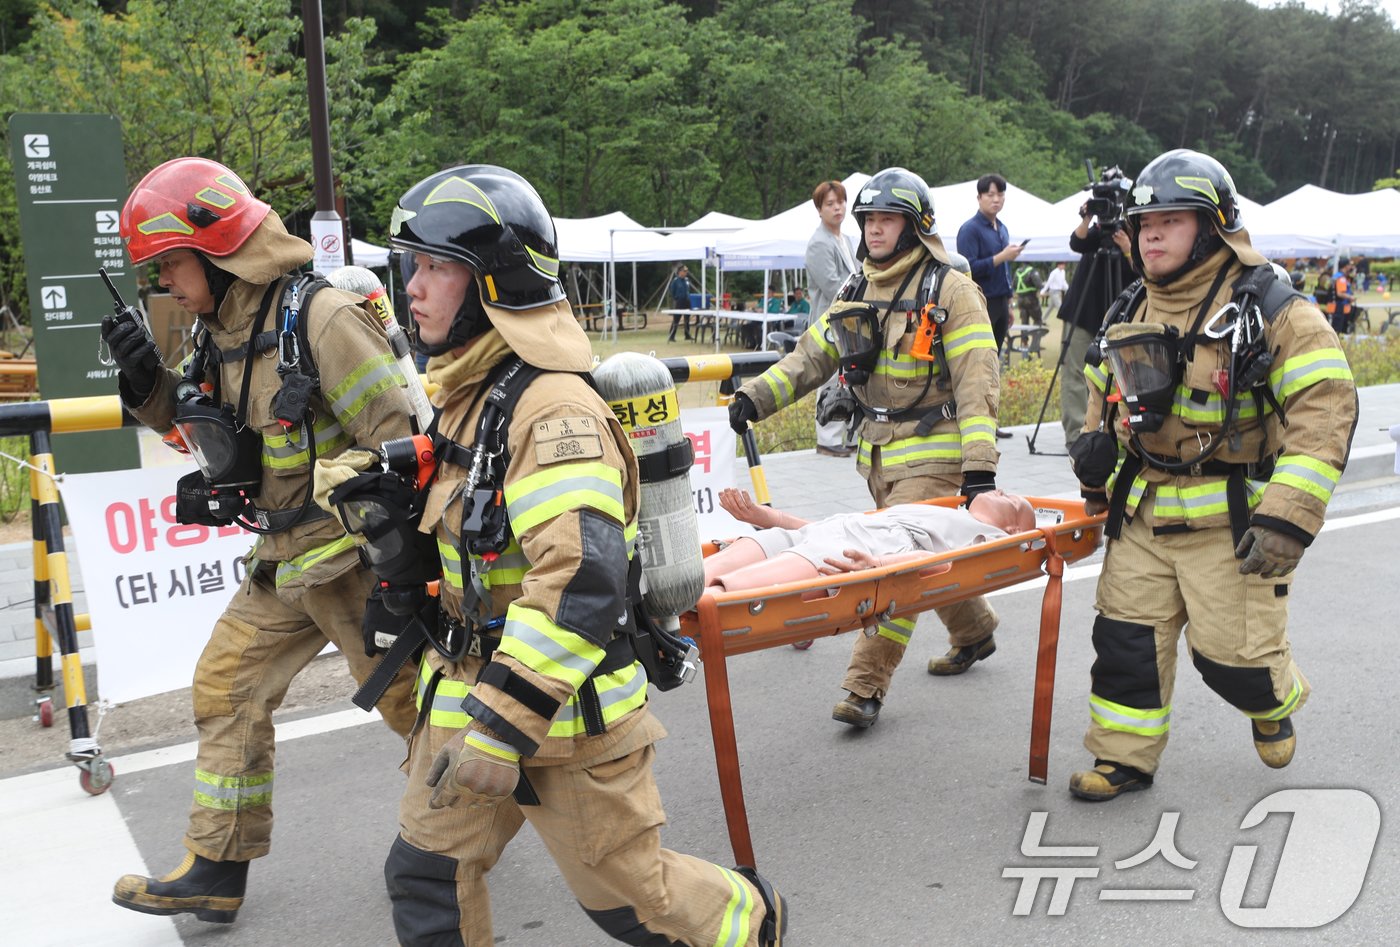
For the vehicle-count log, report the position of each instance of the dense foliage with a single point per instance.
(666, 110)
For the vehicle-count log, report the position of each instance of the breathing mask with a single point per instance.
(1147, 367)
(858, 336)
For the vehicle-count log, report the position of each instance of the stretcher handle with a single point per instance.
(731, 787)
(1042, 703)
(756, 474)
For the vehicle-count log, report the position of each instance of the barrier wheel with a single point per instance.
(803, 645)
(46, 713)
(97, 780)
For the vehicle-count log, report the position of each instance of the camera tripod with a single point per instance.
(1104, 280)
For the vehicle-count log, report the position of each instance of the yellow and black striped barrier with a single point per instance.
(54, 619)
(724, 368)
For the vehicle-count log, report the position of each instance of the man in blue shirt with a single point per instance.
(986, 243)
(680, 299)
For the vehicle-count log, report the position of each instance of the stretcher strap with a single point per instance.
(1043, 702)
(731, 789)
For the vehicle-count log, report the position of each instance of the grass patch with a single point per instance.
(14, 479)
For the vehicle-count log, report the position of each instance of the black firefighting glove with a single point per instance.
(977, 481)
(741, 412)
(135, 353)
(1268, 552)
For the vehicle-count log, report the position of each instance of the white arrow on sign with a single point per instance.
(55, 297)
(107, 221)
(36, 146)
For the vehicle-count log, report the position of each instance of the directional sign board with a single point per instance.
(70, 178)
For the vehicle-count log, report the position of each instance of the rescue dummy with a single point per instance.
(1228, 428)
(284, 372)
(910, 338)
(532, 701)
(791, 549)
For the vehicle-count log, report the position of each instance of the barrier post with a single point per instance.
(83, 749)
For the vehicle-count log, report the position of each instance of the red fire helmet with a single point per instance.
(190, 203)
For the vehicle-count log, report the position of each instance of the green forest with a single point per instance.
(667, 110)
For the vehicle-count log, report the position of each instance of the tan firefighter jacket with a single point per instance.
(962, 443)
(571, 495)
(360, 401)
(1309, 377)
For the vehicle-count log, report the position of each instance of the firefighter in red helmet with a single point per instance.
(257, 411)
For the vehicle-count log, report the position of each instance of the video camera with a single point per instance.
(1108, 195)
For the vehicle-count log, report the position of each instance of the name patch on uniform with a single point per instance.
(567, 439)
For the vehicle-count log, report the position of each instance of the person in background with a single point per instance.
(830, 260)
(1085, 303)
(1054, 289)
(1028, 292)
(680, 299)
(986, 243)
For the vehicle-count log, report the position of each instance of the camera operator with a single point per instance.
(1091, 290)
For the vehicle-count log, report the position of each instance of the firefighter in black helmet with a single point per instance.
(1238, 420)
(533, 705)
(925, 425)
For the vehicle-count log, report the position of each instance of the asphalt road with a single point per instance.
(899, 835)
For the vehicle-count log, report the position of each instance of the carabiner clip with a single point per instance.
(1230, 308)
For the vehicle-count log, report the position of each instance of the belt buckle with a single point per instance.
(1196, 470)
(474, 645)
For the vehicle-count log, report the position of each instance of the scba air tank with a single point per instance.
(642, 396)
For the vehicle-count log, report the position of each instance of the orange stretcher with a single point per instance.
(732, 623)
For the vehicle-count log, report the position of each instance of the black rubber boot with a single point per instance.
(958, 660)
(211, 891)
(857, 711)
(775, 916)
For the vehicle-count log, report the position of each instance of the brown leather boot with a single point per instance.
(210, 890)
(1107, 780)
(1274, 741)
(958, 660)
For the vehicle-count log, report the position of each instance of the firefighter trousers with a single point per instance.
(599, 815)
(1236, 633)
(875, 656)
(258, 645)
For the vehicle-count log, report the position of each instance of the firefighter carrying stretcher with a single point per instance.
(910, 338)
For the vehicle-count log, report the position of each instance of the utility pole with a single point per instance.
(327, 230)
